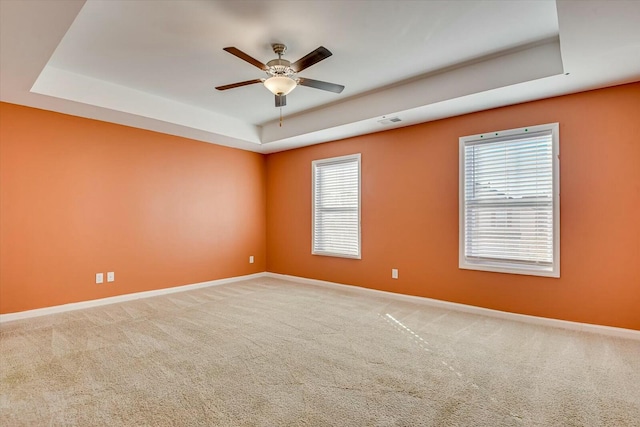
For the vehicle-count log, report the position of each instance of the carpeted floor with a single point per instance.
(266, 352)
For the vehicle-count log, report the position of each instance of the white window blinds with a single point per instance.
(336, 206)
(509, 201)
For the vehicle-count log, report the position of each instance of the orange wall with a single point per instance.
(80, 196)
(410, 211)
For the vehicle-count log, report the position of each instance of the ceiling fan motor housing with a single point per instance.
(280, 68)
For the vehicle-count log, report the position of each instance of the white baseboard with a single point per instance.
(554, 323)
(121, 298)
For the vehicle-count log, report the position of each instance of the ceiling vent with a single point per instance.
(389, 120)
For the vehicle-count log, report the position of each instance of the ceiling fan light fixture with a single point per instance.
(280, 85)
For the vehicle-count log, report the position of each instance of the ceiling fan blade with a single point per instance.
(251, 60)
(311, 58)
(239, 84)
(281, 100)
(318, 84)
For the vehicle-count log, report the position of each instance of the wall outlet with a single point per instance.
(99, 277)
(394, 273)
(251, 259)
(111, 276)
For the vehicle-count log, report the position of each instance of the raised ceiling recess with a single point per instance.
(154, 65)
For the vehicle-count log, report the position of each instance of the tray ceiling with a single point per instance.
(154, 65)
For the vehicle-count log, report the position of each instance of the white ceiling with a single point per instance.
(154, 65)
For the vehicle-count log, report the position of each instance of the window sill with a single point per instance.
(336, 255)
(511, 269)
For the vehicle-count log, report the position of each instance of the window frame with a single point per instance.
(505, 266)
(330, 160)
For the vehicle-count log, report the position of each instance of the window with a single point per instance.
(510, 201)
(336, 206)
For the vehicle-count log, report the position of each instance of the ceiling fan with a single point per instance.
(282, 75)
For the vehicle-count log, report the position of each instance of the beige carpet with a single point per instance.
(267, 352)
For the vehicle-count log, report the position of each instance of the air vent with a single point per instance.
(390, 120)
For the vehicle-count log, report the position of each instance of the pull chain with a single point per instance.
(280, 116)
